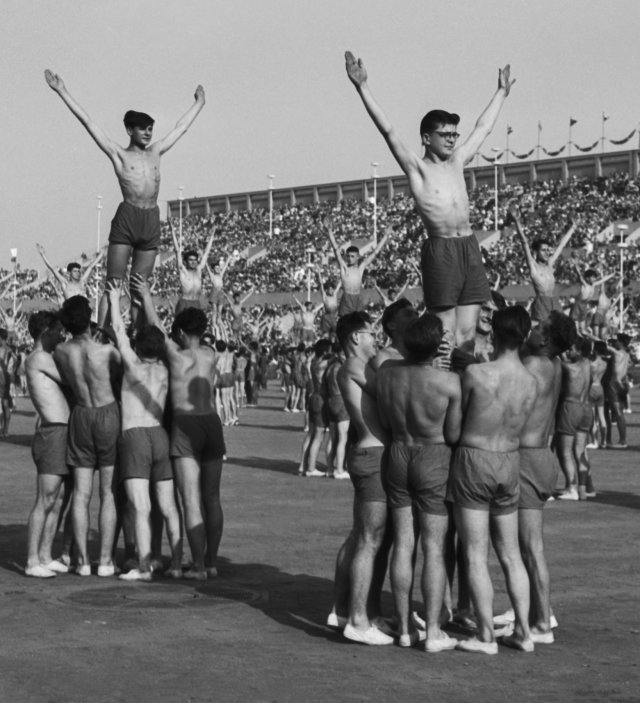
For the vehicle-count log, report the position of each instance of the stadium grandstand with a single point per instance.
(275, 238)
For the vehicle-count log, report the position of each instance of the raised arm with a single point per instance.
(408, 161)
(247, 296)
(176, 245)
(110, 148)
(515, 216)
(58, 276)
(206, 252)
(183, 124)
(563, 243)
(383, 297)
(140, 286)
(91, 266)
(604, 279)
(334, 245)
(487, 119)
(378, 249)
(114, 293)
(300, 305)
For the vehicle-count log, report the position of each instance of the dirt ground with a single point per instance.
(257, 632)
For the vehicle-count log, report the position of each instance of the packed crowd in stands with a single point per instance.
(547, 209)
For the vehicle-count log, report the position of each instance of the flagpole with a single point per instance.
(507, 149)
(570, 128)
(538, 146)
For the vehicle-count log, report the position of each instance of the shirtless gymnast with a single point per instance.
(454, 280)
(135, 229)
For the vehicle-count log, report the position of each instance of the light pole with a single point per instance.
(99, 209)
(622, 245)
(310, 252)
(497, 153)
(270, 177)
(375, 165)
(180, 197)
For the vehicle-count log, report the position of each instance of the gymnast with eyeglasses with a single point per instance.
(453, 277)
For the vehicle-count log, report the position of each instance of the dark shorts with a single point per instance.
(453, 273)
(598, 320)
(308, 335)
(185, 303)
(136, 227)
(419, 473)
(350, 302)
(317, 410)
(484, 480)
(579, 310)
(143, 452)
(596, 395)
(573, 417)
(366, 468)
(328, 323)
(300, 379)
(93, 436)
(49, 449)
(615, 392)
(542, 306)
(539, 470)
(227, 380)
(336, 412)
(217, 297)
(197, 436)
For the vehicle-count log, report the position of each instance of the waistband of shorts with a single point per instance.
(575, 401)
(45, 425)
(487, 451)
(124, 203)
(108, 406)
(421, 441)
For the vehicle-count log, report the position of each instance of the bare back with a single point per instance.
(89, 369)
(144, 394)
(576, 380)
(540, 424)
(498, 397)
(353, 376)
(44, 390)
(402, 390)
(190, 380)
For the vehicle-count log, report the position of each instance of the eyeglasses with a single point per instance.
(447, 135)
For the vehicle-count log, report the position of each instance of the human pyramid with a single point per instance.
(449, 427)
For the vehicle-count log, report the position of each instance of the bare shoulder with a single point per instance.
(37, 358)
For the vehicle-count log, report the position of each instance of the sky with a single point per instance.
(278, 99)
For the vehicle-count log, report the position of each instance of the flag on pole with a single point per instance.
(605, 117)
(14, 256)
(539, 126)
(509, 129)
(572, 122)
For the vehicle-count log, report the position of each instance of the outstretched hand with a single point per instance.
(199, 94)
(139, 285)
(504, 75)
(514, 212)
(40, 248)
(54, 81)
(114, 288)
(355, 69)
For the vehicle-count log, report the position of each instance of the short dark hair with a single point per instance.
(322, 346)
(75, 314)
(540, 242)
(353, 248)
(192, 321)
(623, 338)
(221, 345)
(511, 326)
(73, 265)
(149, 342)
(349, 323)
(423, 337)
(137, 119)
(562, 331)
(435, 118)
(391, 311)
(189, 253)
(40, 321)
